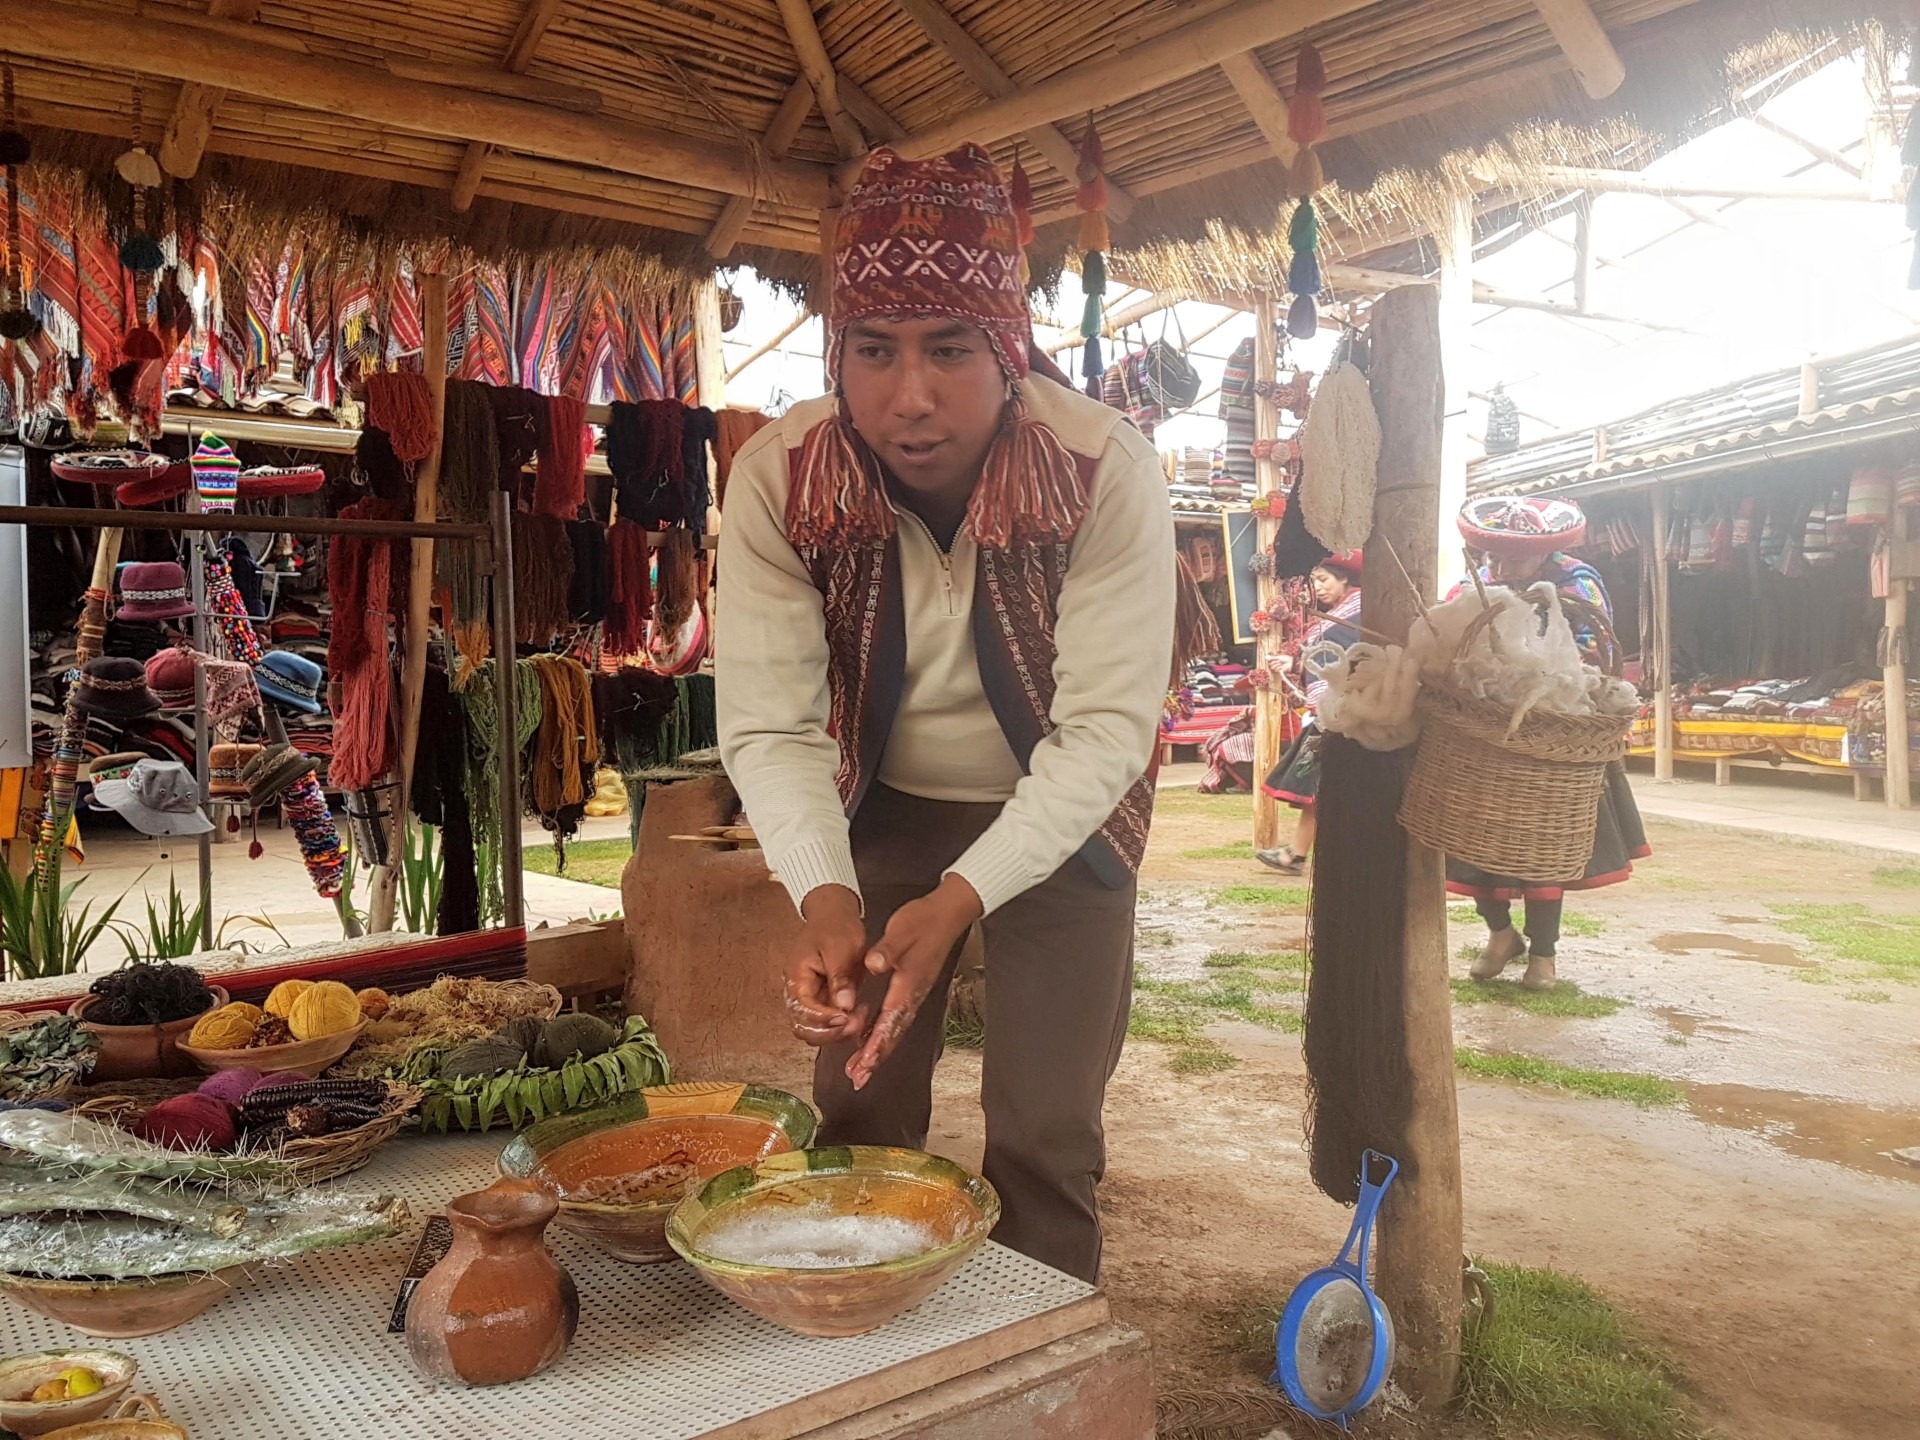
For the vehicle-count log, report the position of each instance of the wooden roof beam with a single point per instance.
(189, 127)
(1361, 277)
(1634, 182)
(1186, 50)
(1264, 102)
(817, 66)
(533, 28)
(143, 45)
(1825, 153)
(950, 37)
(864, 108)
(1580, 35)
(781, 133)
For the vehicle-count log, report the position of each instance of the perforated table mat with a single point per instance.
(303, 1349)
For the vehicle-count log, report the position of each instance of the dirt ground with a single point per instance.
(1762, 1230)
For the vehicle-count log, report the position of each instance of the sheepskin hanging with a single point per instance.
(1340, 460)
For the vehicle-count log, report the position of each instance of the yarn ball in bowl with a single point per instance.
(283, 1077)
(231, 1085)
(189, 1122)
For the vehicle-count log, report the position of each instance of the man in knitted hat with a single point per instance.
(948, 620)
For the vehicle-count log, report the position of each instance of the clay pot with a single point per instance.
(499, 1307)
(141, 1052)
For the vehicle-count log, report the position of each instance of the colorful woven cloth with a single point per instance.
(931, 237)
(216, 474)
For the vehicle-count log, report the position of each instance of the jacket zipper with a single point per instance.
(946, 561)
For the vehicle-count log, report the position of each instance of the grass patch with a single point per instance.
(1556, 1357)
(1281, 960)
(1291, 897)
(1565, 999)
(1461, 912)
(1469, 951)
(1239, 850)
(965, 1033)
(1154, 939)
(1192, 802)
(1232, 995)
(1889, 945)
(592, 862)
(1584, 927)
(1668, 880)
(1184, 1030)
(1897, 877)
(1642, 1090)
(1871, 997)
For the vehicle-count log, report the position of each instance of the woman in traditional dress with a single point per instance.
(1523, 541)
(1296, 779)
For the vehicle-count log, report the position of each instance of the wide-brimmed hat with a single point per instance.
(104, 468)
(157, 488)
(225, 765)
(291, 679)
(112, 766)
(170, 676)
(116, 687)
(154, 590)
(267, 482)
(158, 797)
(274, 771)
(1521, 527)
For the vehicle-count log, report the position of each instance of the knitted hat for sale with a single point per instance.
(154, 590)
(216, 474)
(290, 679)
(931, 237)
(115, 687)
(170, 677)
(224, 766)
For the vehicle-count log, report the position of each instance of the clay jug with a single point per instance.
(498, 1308)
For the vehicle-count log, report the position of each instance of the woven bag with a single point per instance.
(1523, 804)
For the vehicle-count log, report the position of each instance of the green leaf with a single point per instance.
(552, 1094)
(463, 1110)
(516, 1112)
(572, 1085)
(533, 1097)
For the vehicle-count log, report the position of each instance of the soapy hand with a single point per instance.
(824, 972)
(920, 937)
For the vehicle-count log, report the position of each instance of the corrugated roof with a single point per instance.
(1761, 413)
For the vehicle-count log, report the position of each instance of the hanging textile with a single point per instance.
(439, 798)
(483, 769)
(566, 745)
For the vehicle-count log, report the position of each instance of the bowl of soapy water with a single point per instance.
(835, 1241)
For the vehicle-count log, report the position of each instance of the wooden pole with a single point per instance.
(1269, 704)
(781, 132)
(1662, 639)
(709, 354)
(143, 45)
(1583, 255)
(817, 66)
(1579, 34)
(1632, 182)
(1455, 300)
(1421, 1231)
(190, 126)
(413, 675)
(1899, 779)
(1253, 83)
(533, 28)
(770, 344)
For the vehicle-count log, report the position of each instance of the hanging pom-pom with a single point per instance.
(1305, 176)
(141, 343)
(1092, 366)
(142, 254)
(1303, 318)
(1093, 273)
(233, 824)
(1092, 194)
(1303, 231)
(1020, 191)
(1306, 111)
(18, 323)
(138, 168)
(1093, 155)
(1090, 323)
(1094, 235)
(256, 850)
(15, 148)
(1303, 275)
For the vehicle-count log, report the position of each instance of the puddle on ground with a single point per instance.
(1689, 1024)
(1732, 947)
(1856, 1136)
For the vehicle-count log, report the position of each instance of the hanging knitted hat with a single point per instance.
(216, 474)
(931, 237)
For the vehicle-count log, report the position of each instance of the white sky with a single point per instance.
(1775, 282)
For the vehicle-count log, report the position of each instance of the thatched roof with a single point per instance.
(633, 123)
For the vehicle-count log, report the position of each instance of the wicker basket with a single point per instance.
(321, 1157)
(58, 1078)
(1522, 805)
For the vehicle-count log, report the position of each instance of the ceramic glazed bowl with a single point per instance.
(20, 1374)
(651, 1148)
(309, 1057)
(957, 1209)
(141, 1052)
(122, 1309)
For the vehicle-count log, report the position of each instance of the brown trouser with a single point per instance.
(1059, 984)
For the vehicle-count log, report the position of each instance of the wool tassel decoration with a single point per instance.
(836, 497)
(399, 402)
(1359, 1084)
(1306, 174)
(560, 487)
(1030, 488)
(1095, 240)
(1303, 317)
(630, 597)
(1020, 196)
(1307, 107)
(17, 322)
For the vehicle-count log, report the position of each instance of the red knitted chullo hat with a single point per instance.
(931, 237)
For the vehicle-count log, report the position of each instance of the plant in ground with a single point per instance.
(40, 932)
(1642, 1090)
(1564, 999)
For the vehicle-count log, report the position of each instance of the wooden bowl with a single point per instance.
(138, 1418)
(140, 1052)
(122, 1309)
(309, 1057)
(677, 1136)
(956, 1209)
(20, 1374)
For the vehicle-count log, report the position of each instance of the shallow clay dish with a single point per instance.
(957, 1208)
(122, 1309)
(309, 1057)
(20, 1374)
(660, 1141)
(141, 1052)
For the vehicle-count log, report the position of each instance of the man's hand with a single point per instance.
(920, 937)
(824, 971)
